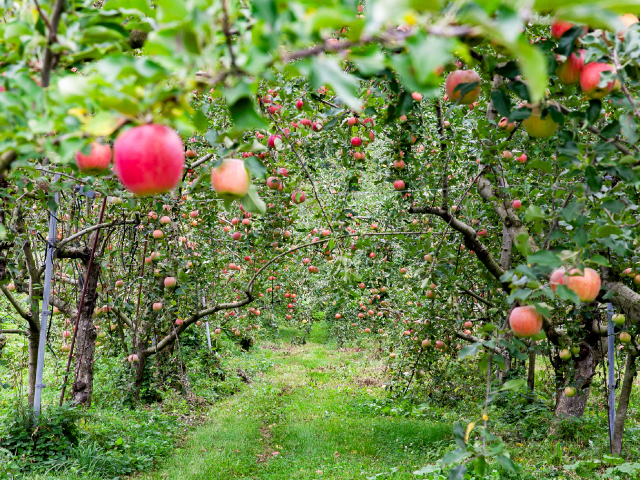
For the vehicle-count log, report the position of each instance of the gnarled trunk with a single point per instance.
(86, 342)
(585, 368)
(623, 404)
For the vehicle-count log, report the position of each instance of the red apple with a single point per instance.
(525, 321)
(149, 159)
(569, 72)
(516, 204)
(157, 306)
(417, 96)
(274, 141)
(299, 104)
(356, 141)
(398, 164)
(165, 220)
(119, 283)
(504, 124)
(522, 158)
(170, 282)
(398, 185)
(274, 183)
(559, 27)
(585, 284)
(457, 77)
(351, 121)
(98, 160)
(430, 294)
(298, 197)
(157, 234)
(231, 179)
(590, 80)
(507, 155)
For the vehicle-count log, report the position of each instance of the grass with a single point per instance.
(298, 421)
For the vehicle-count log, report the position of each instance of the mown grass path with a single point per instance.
(306, 418)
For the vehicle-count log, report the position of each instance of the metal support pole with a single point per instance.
(44, 313)
(207, 325)
(612, 373)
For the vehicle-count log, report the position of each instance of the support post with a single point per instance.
(44, 313)
(204, 304)
(612, 373)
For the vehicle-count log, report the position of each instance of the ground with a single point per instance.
(303, 420)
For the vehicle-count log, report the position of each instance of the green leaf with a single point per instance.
(512, 385)
(629, 127)
(244, 115)
(519, 294)
(545, 258)
(506, 462)
(252, 202)
(469, 350)
(533, 64)
(614, 206)
(102, 124)
(427, 469)
(128, 5)
(501, 102)
(454, 456)
(457, 472)
(598, 260)
(533, 212)
(171, 10)
(327, 71)
(255, 166)
(541, 165)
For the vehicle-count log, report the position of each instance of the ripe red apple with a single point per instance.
(482, 233)
(149, 159)
(504, 124)
(190, 154)
(231, 180)
(468, 324)
(119, 283)
(236, 236)
(179, 321)
(157, 234)
(274, 141)
(274, 183)
(356, 141)
(338, 316)
(403, 270)
(317, 126)
(398, 184)
(426, 343)
(516, 204)
(430, 294)
(157, 306)
(590, 79)
(525, 321)
(299, 104)
(457, 77)
(539, 127)
(398, 164)
(585, 284)
(559, 27)
(170, 282)
(11, 287)
(569, 72)
(522, 158)
(417, 96)
(507, 155)
(164, 219)
(556, 278)
(298, 197)
(98, 160)
(351, 121)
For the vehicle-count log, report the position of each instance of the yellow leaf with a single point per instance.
(469, 429)
(102, 124)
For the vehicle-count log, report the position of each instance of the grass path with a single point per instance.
(306, 418)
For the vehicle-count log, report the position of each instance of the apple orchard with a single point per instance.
(457, 181)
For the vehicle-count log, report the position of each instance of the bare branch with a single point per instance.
(90, 229)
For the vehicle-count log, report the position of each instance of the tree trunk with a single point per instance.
(142, 362)
(585, 369)
(623, 404)
(531, 374)
(86, 342)
(34, 342)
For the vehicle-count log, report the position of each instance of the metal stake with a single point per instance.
(48, 274)
(612, 373)
(207, 325)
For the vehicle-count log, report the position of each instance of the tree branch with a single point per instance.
(90, 229)
(16, 304)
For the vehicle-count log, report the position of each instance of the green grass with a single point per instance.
(299, 421)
